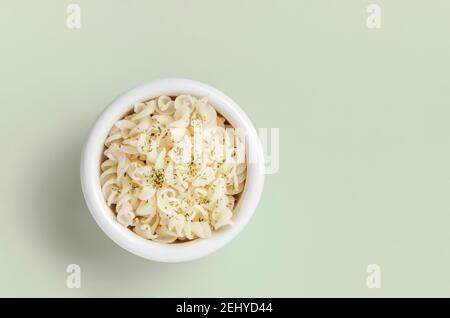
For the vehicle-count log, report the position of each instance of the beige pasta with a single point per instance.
(173, 169)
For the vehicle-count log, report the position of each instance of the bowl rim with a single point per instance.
(103, 215)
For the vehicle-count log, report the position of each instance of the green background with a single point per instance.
(364, 152)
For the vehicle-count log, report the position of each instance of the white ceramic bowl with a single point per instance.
(103, 215)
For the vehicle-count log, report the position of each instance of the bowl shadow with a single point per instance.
(63, 225)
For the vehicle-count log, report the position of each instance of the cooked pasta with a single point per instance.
(173, 169)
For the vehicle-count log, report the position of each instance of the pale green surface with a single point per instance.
(364, 121)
